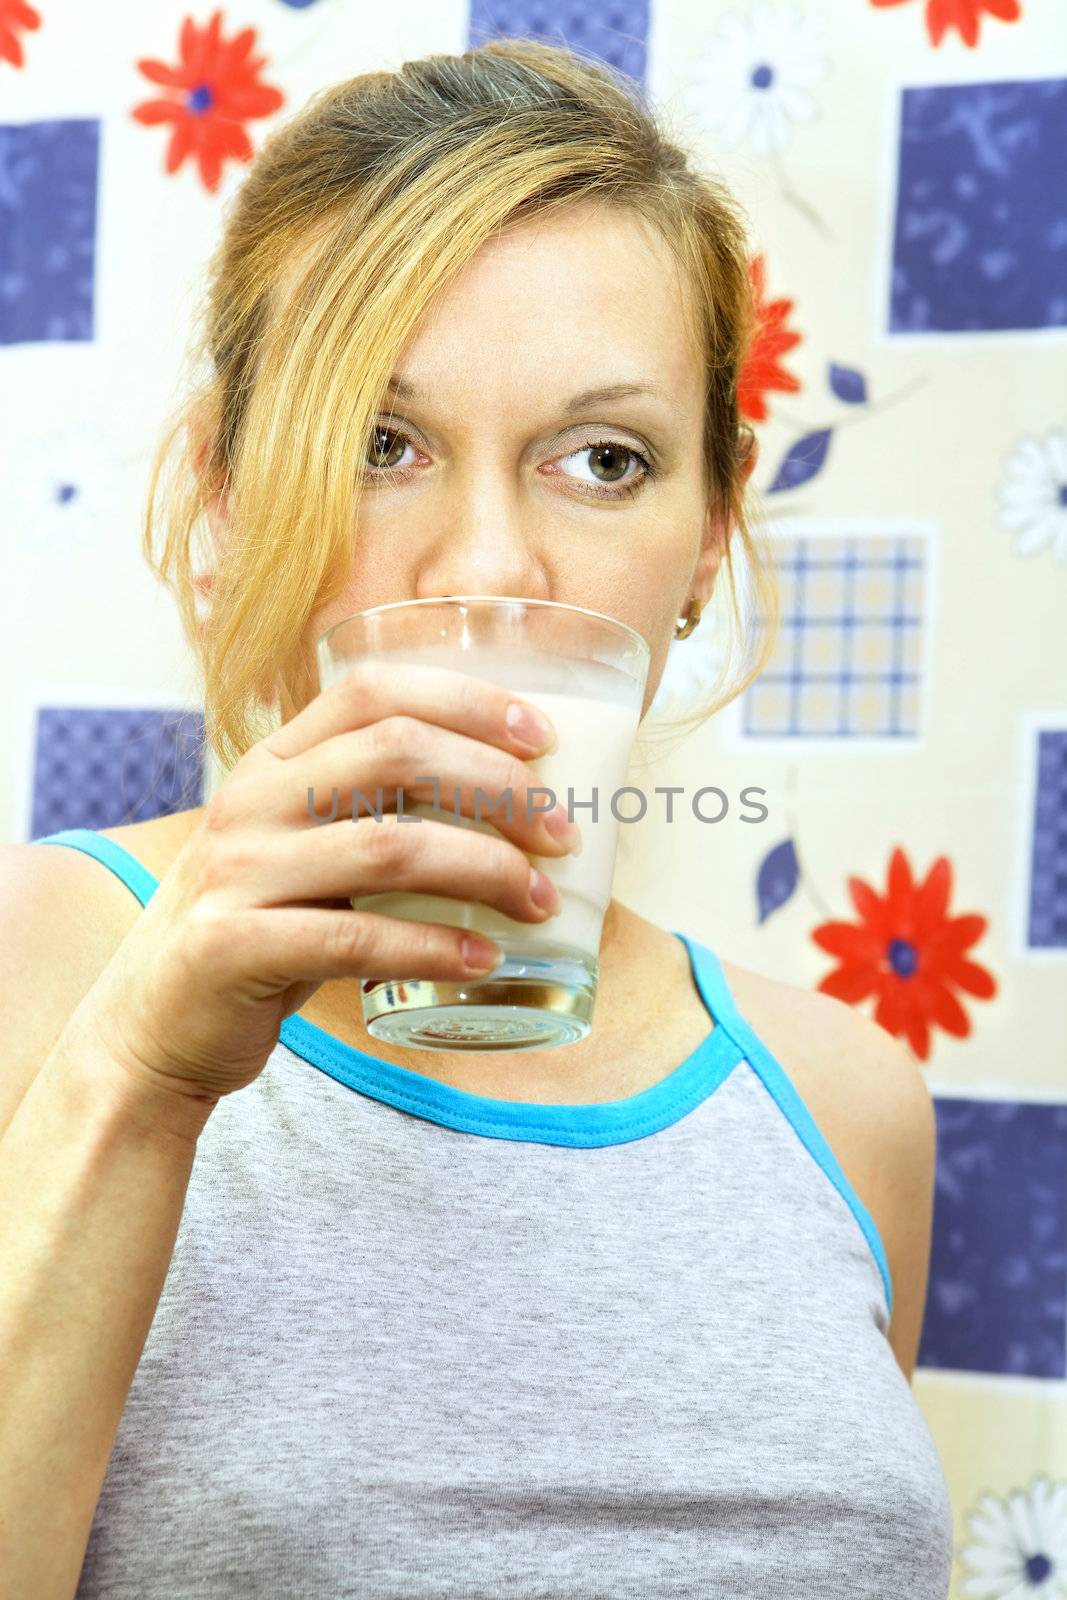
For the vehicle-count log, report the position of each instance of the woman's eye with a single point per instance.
(615, 469)
(612, 463)
(383, 449)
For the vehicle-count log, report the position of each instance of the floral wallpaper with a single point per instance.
(901, 163)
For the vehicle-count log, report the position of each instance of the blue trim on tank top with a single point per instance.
(730, 1041)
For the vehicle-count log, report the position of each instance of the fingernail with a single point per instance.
(530, 727)
(543, 891)
(480, 955)
(562, 828)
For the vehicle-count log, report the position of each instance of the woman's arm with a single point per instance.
(902, 1160)
(93, 1177)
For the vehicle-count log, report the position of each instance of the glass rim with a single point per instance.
(486, 599)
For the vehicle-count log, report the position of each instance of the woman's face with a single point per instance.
(498, 472)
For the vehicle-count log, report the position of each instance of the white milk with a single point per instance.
(595, 710)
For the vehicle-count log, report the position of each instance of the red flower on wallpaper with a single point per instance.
(761, 369)
(15, 14)
(215, 91)
(963, 15)
(909, 952)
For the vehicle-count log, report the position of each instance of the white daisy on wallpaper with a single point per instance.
(65, 489)
(1033, 494)
(1018, 1545)
(752, 83)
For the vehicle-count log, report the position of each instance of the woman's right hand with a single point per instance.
(248, 921)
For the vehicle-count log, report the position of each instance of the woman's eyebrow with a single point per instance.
(613, 391)
(588, 397)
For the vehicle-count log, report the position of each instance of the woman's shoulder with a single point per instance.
(871, 1102)
(156, 842)
(65, 897)
(846, 1067)
(859, 1082)
(62, 912)
(812, 1035)
(825, 1038)
(62, 917)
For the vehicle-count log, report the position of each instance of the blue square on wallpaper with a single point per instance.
(48, 177)
(617, 34)
(997, 1297)
(1047, 920)
(103, 766)
(980, 234)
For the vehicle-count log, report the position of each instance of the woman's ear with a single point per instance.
(719, 528)
(747, 450)
(216, 505)
(712, 550)
(217, 511)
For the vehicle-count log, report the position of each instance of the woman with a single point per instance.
(290, 1311)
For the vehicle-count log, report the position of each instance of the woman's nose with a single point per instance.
(494, 559)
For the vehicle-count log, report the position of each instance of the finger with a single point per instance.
(287, 944)
(473, 779)
(345, 859)
(371, 690)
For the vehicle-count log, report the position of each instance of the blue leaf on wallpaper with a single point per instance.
(618, 33)
(802, 460)
(298, 5)
(777, 879)
(848, 384)
(979, 232)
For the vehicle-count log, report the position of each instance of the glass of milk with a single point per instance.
(587, 672)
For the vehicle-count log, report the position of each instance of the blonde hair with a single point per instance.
(354, 215)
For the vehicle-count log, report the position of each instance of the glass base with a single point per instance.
(525, 1004)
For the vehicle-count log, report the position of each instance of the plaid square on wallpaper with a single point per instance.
(100, 767)
(48, 180)
(981, 197)
(848, 659)
(618, 33)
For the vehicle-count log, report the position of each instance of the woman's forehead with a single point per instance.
(563, 304)
(587, 295)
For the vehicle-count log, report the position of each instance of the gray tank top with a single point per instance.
(419, 1342)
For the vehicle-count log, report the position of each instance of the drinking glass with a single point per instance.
(587, 672)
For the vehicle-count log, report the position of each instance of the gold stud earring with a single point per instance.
(692, 617)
